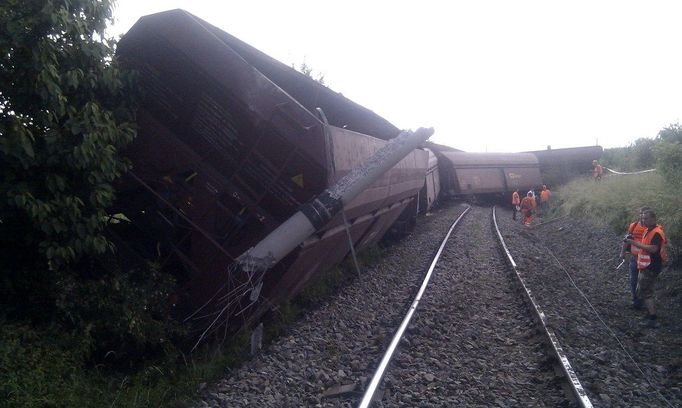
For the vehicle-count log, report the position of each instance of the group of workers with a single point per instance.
(644, 244)
(529, 205)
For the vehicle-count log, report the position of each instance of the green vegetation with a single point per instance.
(308, 71)
(44, 368)
(69, 314)
(637, 156)
(616, 199)
(668, 153)
(663, 152)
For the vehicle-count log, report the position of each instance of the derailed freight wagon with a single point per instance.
(230, 144)
(559, 166)
(477, 174)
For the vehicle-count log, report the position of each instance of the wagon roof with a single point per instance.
(486, 159)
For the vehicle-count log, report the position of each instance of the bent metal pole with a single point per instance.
(318, 212)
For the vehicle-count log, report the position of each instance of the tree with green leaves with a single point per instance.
(66, 113)
(668, 153)
(308, 71)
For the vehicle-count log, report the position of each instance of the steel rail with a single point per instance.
(608, 329)
(379, 373)
(576, 387)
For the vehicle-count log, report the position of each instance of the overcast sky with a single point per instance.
(491, 75)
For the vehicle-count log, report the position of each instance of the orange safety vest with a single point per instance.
(527, 204)
(515, 198)
(598, 170)
(544, 196)
(637, 230)
(644, 258)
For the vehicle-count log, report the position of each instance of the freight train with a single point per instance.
(232, 142)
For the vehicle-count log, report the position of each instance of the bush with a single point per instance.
(638, 156)
(668, 153)
(125, 312)
(41, 368)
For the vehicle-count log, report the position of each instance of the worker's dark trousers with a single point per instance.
(634, 273)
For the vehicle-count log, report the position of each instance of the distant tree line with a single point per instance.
(663, 152)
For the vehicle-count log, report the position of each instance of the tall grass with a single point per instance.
(615, 201)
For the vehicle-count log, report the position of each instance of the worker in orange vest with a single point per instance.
(597, 170)
(635, 232)
(650, 260)
(527, 208)
(545, 194)
(516, 202)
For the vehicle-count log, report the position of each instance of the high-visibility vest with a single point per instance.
(637, 230)
(527, 204)
(515, 198)
(644, 258)
(544, 196)
(598, 170)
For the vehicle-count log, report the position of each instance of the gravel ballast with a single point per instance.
(472, 341)
(599, 330)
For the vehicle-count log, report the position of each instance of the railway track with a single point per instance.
(609, 354)
(327, 358)
(472, 340)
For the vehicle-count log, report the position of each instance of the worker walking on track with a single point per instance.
(635, 232)
(545, 194)
(516, 203)
(650, 261)
(527, 208)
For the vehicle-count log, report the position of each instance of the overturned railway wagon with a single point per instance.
(231, 142)
(469, 174)
(562, 165)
